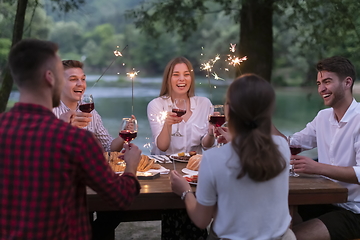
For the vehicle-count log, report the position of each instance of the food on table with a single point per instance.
(183, 156)
(194, 162)
(145, 163)
(115, 162)
(192, 153)
(118, 165)
(192, 179)
(155, 166)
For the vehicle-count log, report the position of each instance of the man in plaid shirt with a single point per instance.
(45, 163)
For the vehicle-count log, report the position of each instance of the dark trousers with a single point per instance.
(103, 227)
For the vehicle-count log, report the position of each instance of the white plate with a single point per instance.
(192, 183)
(178, 160)
(190, 172)
(162, 170)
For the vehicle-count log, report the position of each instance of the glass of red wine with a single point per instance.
(87, 103)
(178, 107)
(128, 129)
(294, 151)
(217, 118)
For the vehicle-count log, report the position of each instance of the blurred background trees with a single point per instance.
(297, 34)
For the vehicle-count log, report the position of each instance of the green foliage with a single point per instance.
(306, 31)
(5, 45)
(303, 31)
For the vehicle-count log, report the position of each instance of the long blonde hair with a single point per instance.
(166, 83)
(250, 101)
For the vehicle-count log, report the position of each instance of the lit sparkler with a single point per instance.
(232, 47)
(207, 66)
(235, 60)
(160, 118)
(117, 53)
(132, 75)
(216, 77)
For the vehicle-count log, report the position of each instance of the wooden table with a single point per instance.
(156, 196)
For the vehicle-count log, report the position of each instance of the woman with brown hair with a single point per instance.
(243, 186)
(193, 126)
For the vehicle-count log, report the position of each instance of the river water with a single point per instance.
(294, 106)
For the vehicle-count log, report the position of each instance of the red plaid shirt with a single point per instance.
(45, 165)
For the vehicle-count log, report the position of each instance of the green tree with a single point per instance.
(17, 34)
(305, 30)
(254, 16)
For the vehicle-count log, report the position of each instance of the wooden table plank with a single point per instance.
(157, 195)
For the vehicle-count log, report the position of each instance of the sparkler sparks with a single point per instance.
(207, 66)
(132, 75)
(235, 60)
(232, 47)
(216, 77)
(117, 53)
(160, 118)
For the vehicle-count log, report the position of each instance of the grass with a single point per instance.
(150, 230)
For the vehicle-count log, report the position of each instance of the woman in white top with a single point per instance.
(243, 186)
(179, 83)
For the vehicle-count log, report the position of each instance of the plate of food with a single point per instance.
(192, 167)
(192, 179)
(189, 172)
(182, 157)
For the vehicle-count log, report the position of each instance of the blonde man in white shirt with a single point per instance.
(74, 88)
(335, 131)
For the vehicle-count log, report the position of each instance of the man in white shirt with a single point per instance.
(335, 131)
(74, 88)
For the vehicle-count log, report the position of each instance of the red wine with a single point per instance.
(179, 112)
(217, 120)
(294, 150)
(87, 107)
(127, 135)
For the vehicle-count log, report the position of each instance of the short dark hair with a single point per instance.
(27, 57)
(72, 64)
(341, 66)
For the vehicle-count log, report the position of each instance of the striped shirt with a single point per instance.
(95, 126)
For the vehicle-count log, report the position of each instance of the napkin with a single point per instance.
(161, 158)
(162, 170)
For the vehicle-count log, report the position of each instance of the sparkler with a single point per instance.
(232, 59)
(232, 47)
(132, 75)
(207, 66)
(117, 53)
(216, 77)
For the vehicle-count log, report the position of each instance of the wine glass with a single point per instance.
(87, 103)
(294, 149)
(178, 107)
(217, 118)
(128, 129)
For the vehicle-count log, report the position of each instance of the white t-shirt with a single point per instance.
(245, 209)
(192, 130)
(338, 144)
